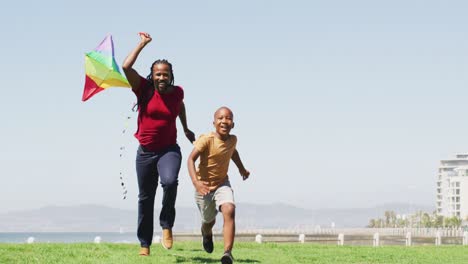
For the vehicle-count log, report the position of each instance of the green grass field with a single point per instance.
(244, 252)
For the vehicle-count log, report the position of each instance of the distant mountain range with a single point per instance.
(97, 218)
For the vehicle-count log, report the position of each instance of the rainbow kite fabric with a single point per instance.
(102, 71)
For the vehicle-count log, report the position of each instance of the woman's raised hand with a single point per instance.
(145, 37)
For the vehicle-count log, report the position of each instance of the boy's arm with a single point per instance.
(200, 186)
(183, 120)
(236, 158)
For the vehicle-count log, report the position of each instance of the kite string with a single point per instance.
(123, 151)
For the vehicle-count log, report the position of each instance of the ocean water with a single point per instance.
(71, 237)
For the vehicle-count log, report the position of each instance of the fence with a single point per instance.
(420, 232)
(338, 236)
(351, 236)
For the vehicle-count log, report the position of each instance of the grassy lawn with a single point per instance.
(244, 252)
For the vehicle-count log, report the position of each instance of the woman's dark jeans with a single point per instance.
(150, 167)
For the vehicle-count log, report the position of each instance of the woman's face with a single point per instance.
(162, 76)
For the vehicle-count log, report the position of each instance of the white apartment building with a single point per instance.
(452, 187)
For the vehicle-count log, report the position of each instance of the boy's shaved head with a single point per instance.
(223, 108)
(223, 122)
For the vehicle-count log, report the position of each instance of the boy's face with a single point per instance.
(223, 121)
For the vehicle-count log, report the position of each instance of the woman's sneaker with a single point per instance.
(227, 258)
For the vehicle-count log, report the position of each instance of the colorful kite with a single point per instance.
(102, 71)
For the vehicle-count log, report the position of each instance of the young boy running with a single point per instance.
(211, 182)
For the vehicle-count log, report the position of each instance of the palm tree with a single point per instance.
(372, 223)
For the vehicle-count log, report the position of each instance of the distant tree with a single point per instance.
(401, 222)
(438, 220)
(426, 220)
(380, 223)
(372, 223)
(418, 219)
(390, 218)
(453, 222)
(393, 219)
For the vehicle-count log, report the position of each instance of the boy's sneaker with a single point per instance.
(167, 238)
(208, 242)
(227, 258)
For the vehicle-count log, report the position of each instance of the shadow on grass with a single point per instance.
(185, 259)
(194, 250)
(180, 259)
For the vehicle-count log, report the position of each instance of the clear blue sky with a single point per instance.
(337, 103)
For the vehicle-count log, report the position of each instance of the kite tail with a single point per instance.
(122, 153)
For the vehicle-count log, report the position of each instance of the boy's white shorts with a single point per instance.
(210, 204)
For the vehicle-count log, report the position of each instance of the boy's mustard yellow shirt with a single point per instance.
(215, 155)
